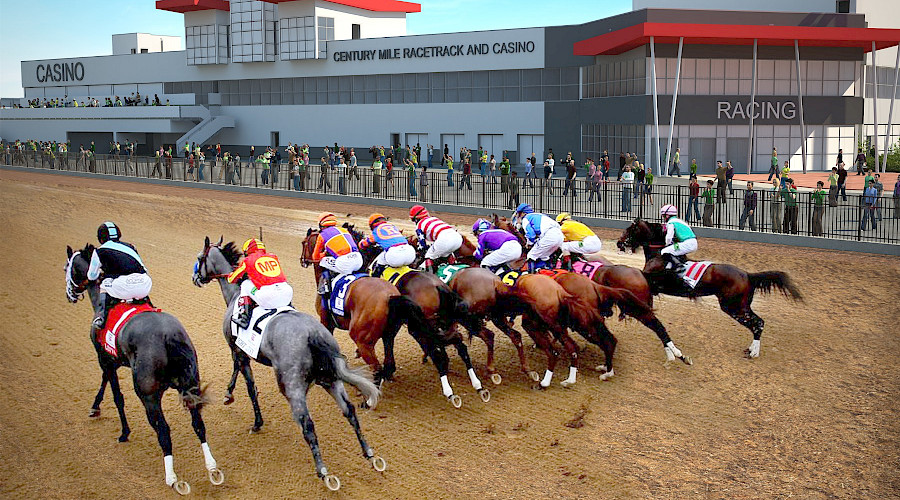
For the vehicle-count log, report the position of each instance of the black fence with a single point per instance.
(838, 217)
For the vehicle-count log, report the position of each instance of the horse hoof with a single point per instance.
(216, 477)
(456, 401)
(606, 376)
(496, 378)
(332, 482)
(379, 464)
(255, 429)
(95, 412)
(228, 399)
(566, 383)
(600, 368)
(534, 376)
(687, 360)
(181, 487)
(485, 395)
(123, 438)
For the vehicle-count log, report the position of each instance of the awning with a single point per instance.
(182, 6)
(623, 40)
(372, 5)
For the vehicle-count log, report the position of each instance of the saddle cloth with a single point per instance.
(250, 339)
(553, 273)
(446, 272)
(511, 277)
(584, 268)
(692, 272)
(118, 317)
(339, 290)
(393, 274)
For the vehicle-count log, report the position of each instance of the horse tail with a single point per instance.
(402, 309)
(184, 371)
(767, 281)
(628, 302)
(571, 310)
(452, 306)
(331, 364)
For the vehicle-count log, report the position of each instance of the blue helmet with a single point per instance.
(524, 208)
(481, 225)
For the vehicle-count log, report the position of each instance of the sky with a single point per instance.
(53, 29)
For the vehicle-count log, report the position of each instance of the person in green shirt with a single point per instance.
(411, 176)
(648, 186)
(377, 166)
(818, 198)
(693, 167)
(504, 174)
(709, 202)
(791, 208)
(833, 187)
(448, 160)
(773, 169)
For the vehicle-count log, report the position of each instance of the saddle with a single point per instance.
(339, 291)
(118, 317)
(393, 274)
(249, 339)
(446, 272)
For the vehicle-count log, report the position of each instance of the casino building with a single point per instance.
(804, 76)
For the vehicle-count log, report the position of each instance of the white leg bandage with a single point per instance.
(474, 378)
(170, 470)
(207, 457)
(445, 386)
(548, 376)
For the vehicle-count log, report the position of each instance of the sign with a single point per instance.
(760, 109)
(60, 72)
(431, 51)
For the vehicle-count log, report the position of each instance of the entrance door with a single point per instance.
(275, 139)
(492, 144)
(420, 139)
(453, 142)
(736, 149)
(395, 139)
(528, 144)
(704, 150)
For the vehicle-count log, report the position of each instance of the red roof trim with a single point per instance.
(372, 5)
(182, 6)
(623, 40)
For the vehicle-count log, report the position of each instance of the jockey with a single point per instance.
(335, 251)
(265, 283)
(542, 232)
(680, 239)
(578, 238)
(496, 247)
(443, 239)
(397, 252)
(124, 274)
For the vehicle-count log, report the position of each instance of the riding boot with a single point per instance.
(428, 266)
(324, 283)
(243, 319)
(532, 266)
(567, 262)
(102, 311)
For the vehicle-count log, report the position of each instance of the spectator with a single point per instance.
(571, 175)
(729, 176)
(430, 155)
(595, 178)
(201, 160)
(493, 171)
(785, 172)
(709, 200)
(773, 169)
(324, 181)
(676, 162)
(751, 199)
(548, 173)
(389, 176)
(622, 162)
(692, 169)
(423, 184)
(353, 170)
(648, 186)
(833, 187)
(448, 160)
(639, 174)
(818, 199)
(879, 187)
(860, 163)
(504, 173)
(897, 198)
(411, 177)
(791, 208)
(721, 176)
(529, 171)
(627, 182)
(236, 172)
(842, 181)
(870, 197)
(513, 191)
(466, 173)
(446, 154)
(376, 174)
(190, 169)
(693, 199)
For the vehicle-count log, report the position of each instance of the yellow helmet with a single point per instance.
(563, 216)
(253, 245)
(327, 220)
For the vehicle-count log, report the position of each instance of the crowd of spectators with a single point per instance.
(107, 102)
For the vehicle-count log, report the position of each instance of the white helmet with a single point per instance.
(667, 210)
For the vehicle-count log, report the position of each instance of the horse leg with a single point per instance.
(236, 368)
(367, 352)
(153, 406)
(473, 377)
(113, 378)
(477, 328)
(672, 352)
(339, 393)
(545, 343)
(516, 338)
(607, 342)
(572, 350)
(95, 408)
(748, 319)
(442, 363)
(216, 476)
(247, 372)
(390, 366)
(295, 391)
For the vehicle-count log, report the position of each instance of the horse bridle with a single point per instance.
(304, 262)
(201, 264)
(74, 291)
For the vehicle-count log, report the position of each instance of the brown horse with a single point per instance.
(619, 276)
(439, 306)
(733, 286)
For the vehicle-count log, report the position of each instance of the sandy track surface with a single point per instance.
(816, 416)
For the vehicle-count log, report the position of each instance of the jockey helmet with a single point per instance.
(524, 208)
(327, 219)
(563, 216)
(668, 210)
(418, 212)
(108, 231)
(253, 245)
(481, 225)
(376, 219)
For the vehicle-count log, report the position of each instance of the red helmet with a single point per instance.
(418, 212)
(253, 245)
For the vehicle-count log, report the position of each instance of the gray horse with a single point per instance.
(160, 354)
(300, 350)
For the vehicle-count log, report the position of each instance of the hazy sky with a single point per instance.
(46, 29)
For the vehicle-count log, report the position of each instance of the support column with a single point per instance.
(750, 110)
(655, 106)
(674, 100)
(874, 106)
(800, 101)
(887, 141)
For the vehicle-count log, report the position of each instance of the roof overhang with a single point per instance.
(623, 40)
(371, 5)
(182, 6)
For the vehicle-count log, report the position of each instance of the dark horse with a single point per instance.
(733, 286)
(300, 351)
(157, 348)
(441, 308)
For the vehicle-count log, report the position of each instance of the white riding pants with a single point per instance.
(397, 256)
(589, 245)
(127, 287)
(548, 243)
(446, 243)
(508, 252)
(683, 248)
(343, 264)
(270, 296)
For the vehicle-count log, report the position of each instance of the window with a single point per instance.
(144, 51)
(356, 32)
(842, 6)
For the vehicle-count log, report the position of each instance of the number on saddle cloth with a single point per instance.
(393, 274)
(511, 277)
(446, 272)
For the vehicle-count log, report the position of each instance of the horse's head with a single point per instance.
(77, 264)
(308, 246)
(636, 235)
(508, 226)
(215, 261)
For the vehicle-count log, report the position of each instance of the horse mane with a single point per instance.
(87, 251)
(231, 253)
(356, 235)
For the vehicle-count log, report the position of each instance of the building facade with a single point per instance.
(318, 72)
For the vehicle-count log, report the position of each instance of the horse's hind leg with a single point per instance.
(544, 343)
(236, 368)
(672, 352)
(95, 408)
(473, 377)
(215, 475)
(516, 338)
(748, 319)
(607, 342)
(113, 378)
(442, 363)
(247, 371)
(572, 350)
(295, 391)
(153, 406)
(339, 393)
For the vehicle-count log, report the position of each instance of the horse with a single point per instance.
(437, 307)
(160, 354)
(623, 277)
(300, 350)
(733, 286)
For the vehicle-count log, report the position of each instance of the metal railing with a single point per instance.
(839, 218)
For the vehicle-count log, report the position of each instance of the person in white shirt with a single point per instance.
(627, 184)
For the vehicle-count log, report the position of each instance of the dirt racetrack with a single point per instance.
(816, 416)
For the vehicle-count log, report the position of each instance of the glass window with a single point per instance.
(465, 79)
